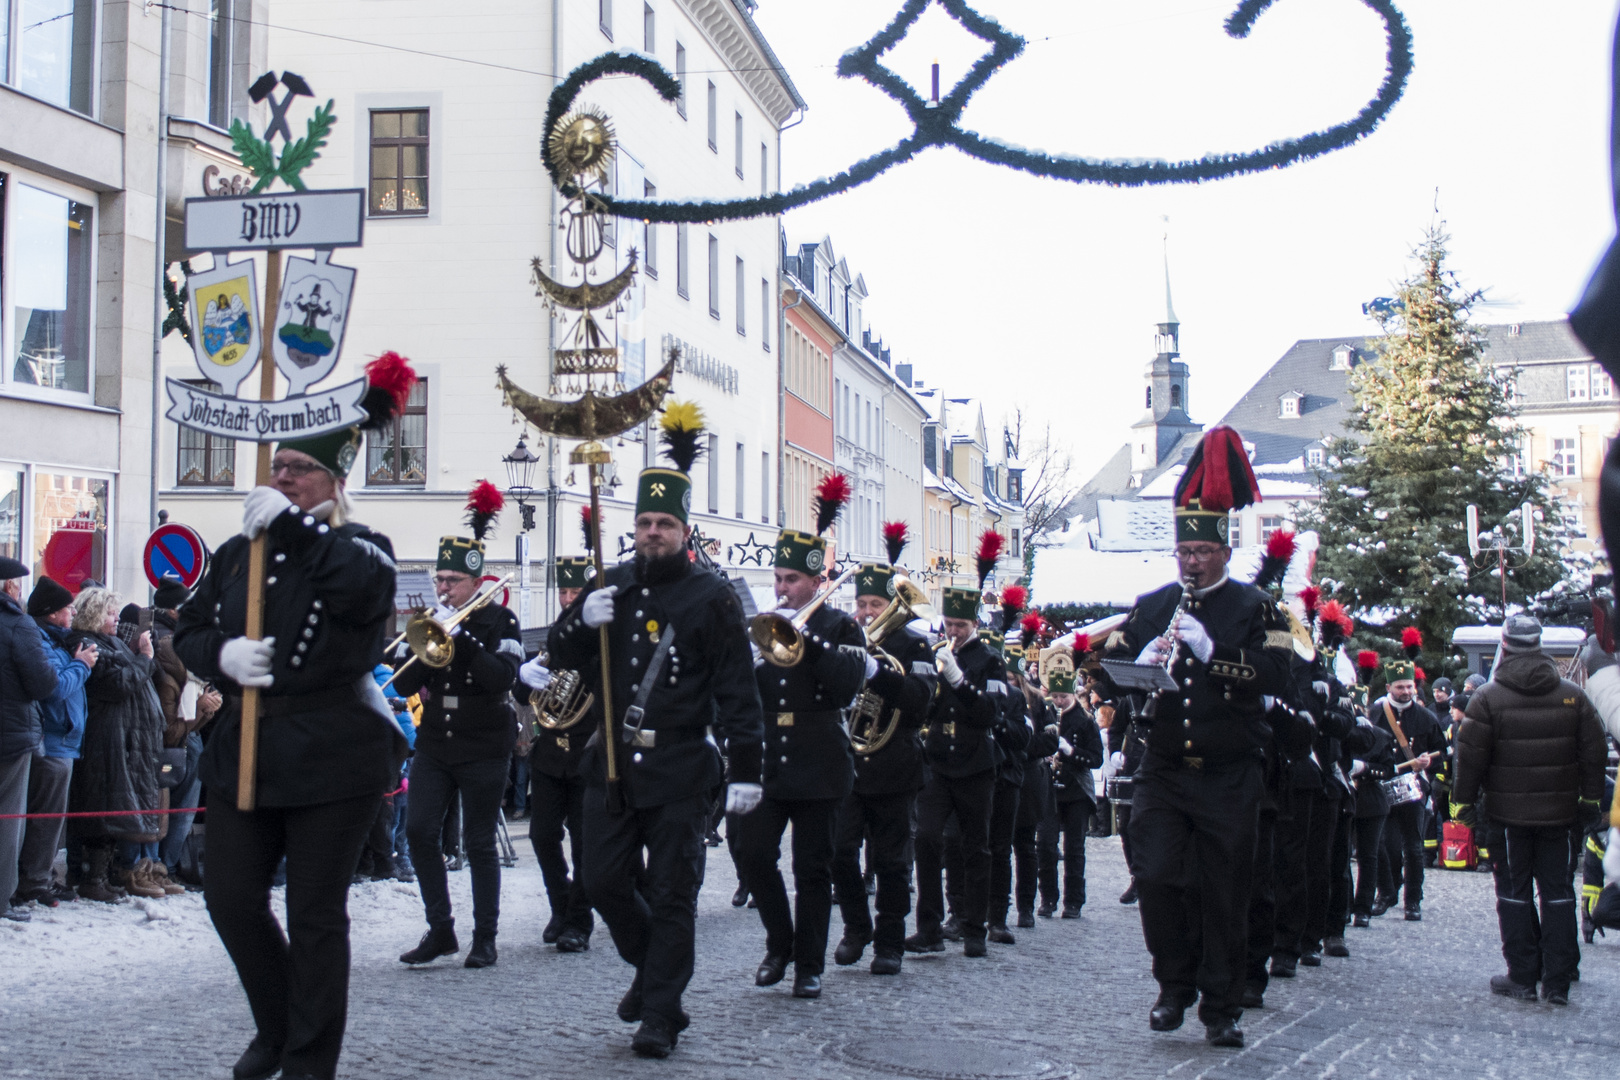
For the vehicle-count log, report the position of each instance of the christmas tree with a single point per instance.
(1433, 430)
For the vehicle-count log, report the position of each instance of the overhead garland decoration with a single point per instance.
(937, 123)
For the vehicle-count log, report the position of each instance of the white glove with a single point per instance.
(949, 669)
(742, 798)
(1117, 759)
(1321, 688)
(1155, 653)
(871, 666)
(598, 607)
(1191, 632)
(246, 662)
(535, 675)
(1051, 729)
(262, 506)
(1065, 747)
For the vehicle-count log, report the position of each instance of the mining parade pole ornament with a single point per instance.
(579, 149)
(307, 316)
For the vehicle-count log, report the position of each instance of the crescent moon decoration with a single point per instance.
(938, 124)
(593, 416)
(586, 296)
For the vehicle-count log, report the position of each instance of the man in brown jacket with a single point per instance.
(1534, 744)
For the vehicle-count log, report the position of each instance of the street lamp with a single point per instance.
(520, 465)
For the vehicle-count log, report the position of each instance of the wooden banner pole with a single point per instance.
(247, 770)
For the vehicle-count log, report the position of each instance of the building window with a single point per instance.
(1315, 457)
(225, 34)
(1149, 403)
(807, 371)
(604, 17)
(742, 299)
(205, 460)
(739, 151)
(765, 487)
(680, 77)
(1012, 546)
(765, 314)
(48, 246)
(399, 162)
(714, 276)
(764, 169)
(396, 456)
(682, 260)
(649, 234)
(1566, 457)
(649, 29)
(70, 527)
(11, 513)
(1175, 396)
(1268, 526)
(1290, 406)
(714, 119)
(1602, 384)
(714, 474)
(1579, 382)
(1341, 358)
(54, 55)
(742, 481)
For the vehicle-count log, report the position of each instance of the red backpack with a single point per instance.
(1457, 851)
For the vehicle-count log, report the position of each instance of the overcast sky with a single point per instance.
(1043, 294)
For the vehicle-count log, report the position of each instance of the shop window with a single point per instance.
(70, 527)
(49, 243)
(396, 456)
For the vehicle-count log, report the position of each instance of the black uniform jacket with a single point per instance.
(1376, 747)
(1423, 734)
(959, 741)
(807, 754)
(898, 767)
(325, 733)
(1011, 735)
(467, 712)
(1216, 715)
(1035, 800)
(1072, 781)
(560, 754)
(707, 678)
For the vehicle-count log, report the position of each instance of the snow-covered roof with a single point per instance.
(1074, 574)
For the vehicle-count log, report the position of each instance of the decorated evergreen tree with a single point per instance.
(1434, 429)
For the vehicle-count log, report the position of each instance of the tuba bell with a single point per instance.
(563, 703)
(780, 640)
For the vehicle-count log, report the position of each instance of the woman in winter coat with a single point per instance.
(118, 762)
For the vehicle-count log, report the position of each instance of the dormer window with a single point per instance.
(1315, 457)
(1288, 405)
(1341, 358)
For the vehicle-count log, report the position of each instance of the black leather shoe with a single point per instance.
(1046, 910)
(886, 964)
(711, 839)
(1001, 935)
(1071, 911)
(553, 928)
(1254, 997)
(952, 929)
(1360, 921)
(1554, 995)
(1380, 906)
(922, 943)
(258, 1062)
(806, 984)
(1026, 920)
(573, 941)
(1283, 967)
(438, 941)
(1311, 959)
(630, 1004)
(850, 949)
(1414, 914)
(1224, 1033)
(1335, 946)
(655, 1038)
(482, 953)
(771, 969)
(1167, 1013)
(1129, 895)
(1505, 986)
(974, 947)
(740, 897)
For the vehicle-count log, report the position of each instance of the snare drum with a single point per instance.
(1119, 788)
(1402, 789)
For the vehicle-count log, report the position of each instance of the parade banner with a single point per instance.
(309, 321)
(224, 310)
(228, 417)
(286, 219)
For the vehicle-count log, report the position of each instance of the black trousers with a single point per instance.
(1026, 862)
(1291, 882)
(1122, 814)
(1403, 844)
(886, 821)
(377, 854)
(970, 799)
(434, 786)
(649, 907)
(1545, 949)
(1073, 821)
(1262, 901)
(1003, 824)
(556, 803)
(1192, 837)
(1339, 884)
(1369, 853)
(799, 931)
(1321, 877)
(297, 983)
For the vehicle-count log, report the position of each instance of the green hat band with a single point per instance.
(461, 555)
(875, 579)
(800, 551)
(1398, 670)
(1195, 523)
(961, 603)
(571, 571)
(664, 491)
(336, 450)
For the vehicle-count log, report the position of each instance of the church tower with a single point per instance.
(1166, 419)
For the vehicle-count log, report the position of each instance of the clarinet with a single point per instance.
(1152, 707)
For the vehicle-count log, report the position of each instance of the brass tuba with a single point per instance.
(563, 703)
(780, 640)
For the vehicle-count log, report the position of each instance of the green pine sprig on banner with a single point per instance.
(259, 158)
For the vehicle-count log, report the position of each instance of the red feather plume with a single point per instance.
(389, 380)
(1333, 612)
(1411, 636)
(1281, 545)
(483, 503)
(831, 495)
(896, 534)
(586, 529)
(1032, 622)
(1015, 597)
(1082, 643)
(1366, 660)
(1218, 474)
(990, 545)
(1309, 597)
(1418, 675)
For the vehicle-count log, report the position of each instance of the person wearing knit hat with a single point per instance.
(1226, 647)
(678, 667)
(878, 811)
(1420, 748)
(809, 767)
(962, 761)
(48, 598)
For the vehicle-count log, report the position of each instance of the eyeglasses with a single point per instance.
(1200, 554)
(296, 469)
(450, 579)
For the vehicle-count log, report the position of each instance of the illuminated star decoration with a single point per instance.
(936, 123)
(750, 552)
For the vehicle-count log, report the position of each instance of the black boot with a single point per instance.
(258, 1062)
(573, 940)
(559, 908)
(998, 933)
(482, 953)
(1026, 919)
(952, 929)
(438, 941)
(630, 1004)
(1129, 895)
(850, 948)
(655, 1037)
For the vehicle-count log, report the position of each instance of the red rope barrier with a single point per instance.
(131, 813)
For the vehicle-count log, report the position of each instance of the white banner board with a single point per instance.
(266, 421)
(285, 219)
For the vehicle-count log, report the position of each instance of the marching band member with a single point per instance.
(679, 662)
(1035, 797)
(464, 744)
(1420, 743)
(1012, 737)
(1079, 751)
(328, 750)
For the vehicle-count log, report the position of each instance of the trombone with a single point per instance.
(868, 731)
(780, 640)
(430, 640)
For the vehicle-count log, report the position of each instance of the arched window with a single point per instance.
(1175, 396)
(1150, 397)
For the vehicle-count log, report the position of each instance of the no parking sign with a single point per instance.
(175, 551)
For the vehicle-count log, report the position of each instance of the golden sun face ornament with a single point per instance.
(581, 145)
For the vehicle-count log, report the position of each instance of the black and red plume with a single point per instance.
(1014, 598)
(896, 534)
(1309, 597)
(1030, 627)
(1218, 475)
(1081, 644)
(1412, 642)
(1274, 563)
(587, 528)
(831, 495)
(1367, 661)
(389, 382)
(484, 502)
(1337, 626)
(990, 545)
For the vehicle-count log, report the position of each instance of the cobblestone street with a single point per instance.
(144, 990)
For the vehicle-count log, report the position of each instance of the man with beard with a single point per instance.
(679, 662)
(1420, 743)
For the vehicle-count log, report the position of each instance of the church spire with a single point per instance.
(1168, 340)
(1169, 305)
